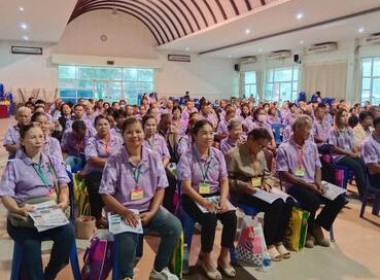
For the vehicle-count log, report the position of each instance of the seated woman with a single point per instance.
(247, 170)
(134, 179)
(202, 171)
(235, 136)
(185, 142)
(12, 137)
(371, 154)
(344, 151)
(73, 144)
(51, 146)
(300, 170)
(35, 175)
(98, 149)
(157, 143)
(222, 130)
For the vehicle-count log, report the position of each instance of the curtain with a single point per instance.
(328, 78)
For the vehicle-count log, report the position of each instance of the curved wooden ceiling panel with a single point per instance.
(169, 20)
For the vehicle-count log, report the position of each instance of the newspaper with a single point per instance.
(332, 191)
(117, 224)
(47, 215)
(271, 196)
(215, 200)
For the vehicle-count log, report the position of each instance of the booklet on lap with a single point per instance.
(215, 200)
(117, 224)
(332, 191)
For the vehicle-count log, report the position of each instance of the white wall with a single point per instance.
(128, 41)
(348, 51)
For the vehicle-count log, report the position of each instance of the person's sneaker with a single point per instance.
(309, 242)
(165, 274)
(319, 237)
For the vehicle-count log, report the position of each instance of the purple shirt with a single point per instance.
(96, 147)
(72, 144)
(117, 132)
(52, 147)
(371, 150)
(222, 128)
(247, 122)
(227, 144)
(329, 118)
(159, 145)
(186, 114)
(211, 118)
(257, 124)
(188, 168)
(288, 159)
(88, 122)
(273, 120)
(321, 129)
(342, 139)
(184, 144)
(118, 179)
(289, 119)
(21, 181)
(12, 137)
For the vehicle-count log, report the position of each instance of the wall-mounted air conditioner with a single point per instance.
(322, 47)
(247, 60)
(371, 40)
(280, 54)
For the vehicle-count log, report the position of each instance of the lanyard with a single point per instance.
(136, 171)
(300, 154)
(151, 143)
(204, 172)
(106, 144)
(40, 174)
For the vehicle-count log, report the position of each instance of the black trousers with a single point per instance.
(169, 192)
(374, 180)
(358, 167)
(208, 222)
(276, 219)
(311, 202)
(92, 181)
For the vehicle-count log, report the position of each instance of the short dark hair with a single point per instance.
(353, 121)
(25, 128)
(259, 133)
(376, 122)
(78, 125)
(36, 115)
(119, 113)
(128, 122)
(364, 114)
(198, 125)
(100, 117)
(146, 118)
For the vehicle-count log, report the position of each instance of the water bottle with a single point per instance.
(185, 262)
(266, 262)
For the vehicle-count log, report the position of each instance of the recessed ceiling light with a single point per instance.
(229, 56)
(247, 31)
(302, 42)
(361, 30)
(299, 16)
(26, 38)
(187, 49)
(23, 25)
(21, 9)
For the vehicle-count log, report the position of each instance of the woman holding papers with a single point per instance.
(203, 174)
(300, 170)
(249, 183)
(134, 181)
(97, 150)
(34, 175)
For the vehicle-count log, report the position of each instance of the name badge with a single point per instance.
(204, 188)
(137, 194)
(300, 172)
(256, 182)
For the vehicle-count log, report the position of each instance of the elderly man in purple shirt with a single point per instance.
(371, 154)
(300, 169)
(321, 129)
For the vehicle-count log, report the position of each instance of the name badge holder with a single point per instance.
(300, 171)
(137, 193)
(256, 182)
(204, 187)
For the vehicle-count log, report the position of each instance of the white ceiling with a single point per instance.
(281, 18)
(46, 19)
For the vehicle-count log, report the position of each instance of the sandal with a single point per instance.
(274, 254)
(228, 271)
(214, 275)
(285, 254)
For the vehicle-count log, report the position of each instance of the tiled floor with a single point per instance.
(354, 256)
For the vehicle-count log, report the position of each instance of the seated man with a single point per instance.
(371, 154)
(363, 129)
(321, 128)
(300, 170)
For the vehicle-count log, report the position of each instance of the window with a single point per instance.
(370, 83)
(108, 83)
(250, 87)
(281, 84)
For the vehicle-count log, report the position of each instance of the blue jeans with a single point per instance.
(30, 241)
(169, 229)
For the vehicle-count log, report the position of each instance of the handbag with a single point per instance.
(98, 258)
(251, 246)
(85, 226)
(297, 229)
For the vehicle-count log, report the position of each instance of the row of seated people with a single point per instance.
(133, 176)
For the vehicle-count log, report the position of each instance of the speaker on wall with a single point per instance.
(297, 59)
(237, 67)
